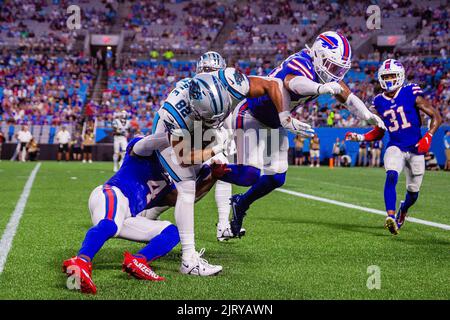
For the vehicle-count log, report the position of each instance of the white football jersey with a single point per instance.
(121, 127)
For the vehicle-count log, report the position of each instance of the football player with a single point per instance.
(305, 75)
(121, 129)
(399, 106)
(210, 99)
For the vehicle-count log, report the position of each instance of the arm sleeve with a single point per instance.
(146, 146)
(304, 86)
(357, 107)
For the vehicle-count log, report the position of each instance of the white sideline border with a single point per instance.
(365, 209)
(13, 223)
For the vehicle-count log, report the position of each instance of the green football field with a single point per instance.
(295, 248)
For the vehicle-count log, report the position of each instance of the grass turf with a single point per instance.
(295, 248)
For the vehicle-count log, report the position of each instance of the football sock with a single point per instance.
(184, 216)
(410, 199)
(115, 159)
(264, 185)
(390, 194)
(96, 237)
(162, 244)
(223, 195)
(242, 175)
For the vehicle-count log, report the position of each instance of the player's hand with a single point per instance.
(295, 126)
(376, 121)
(218, 170)
(332, 88)
(424, 144)
(353, 136)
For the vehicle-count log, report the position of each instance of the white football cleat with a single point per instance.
(225, 233)
(197, 266)
(115, 169)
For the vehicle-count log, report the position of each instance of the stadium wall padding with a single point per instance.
(328, 137)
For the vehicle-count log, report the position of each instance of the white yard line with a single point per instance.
(11, 227)
(365, 209)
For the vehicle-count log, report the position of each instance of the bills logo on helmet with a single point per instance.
(328, 42)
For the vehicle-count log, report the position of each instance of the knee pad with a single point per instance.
(108, 227)
(391, 177)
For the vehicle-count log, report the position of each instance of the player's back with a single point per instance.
(401, 117)
(298, 64)
(134, 175)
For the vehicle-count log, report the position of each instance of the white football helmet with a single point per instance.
(331, 54)
(210, 61)
(391, 75)
(209, 100)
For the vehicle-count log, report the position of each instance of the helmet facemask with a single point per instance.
(391, 80)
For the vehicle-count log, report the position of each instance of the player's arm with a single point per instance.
(189, 156)
(424, 144)
(273, 87)
(356, 106)
(154, 142)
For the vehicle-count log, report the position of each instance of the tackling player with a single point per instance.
(399, 107)
(305, 75)
(121, 129)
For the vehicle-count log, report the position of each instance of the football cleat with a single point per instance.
(391, 224)
(197, 266)
(225, 233)
(401, 215)
(81, 270)
(138, 268)
(238, 214)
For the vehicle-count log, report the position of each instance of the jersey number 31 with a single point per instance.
(393, 118)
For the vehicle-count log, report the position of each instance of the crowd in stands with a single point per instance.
(43, 89)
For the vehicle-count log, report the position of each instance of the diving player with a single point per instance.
(121, 130)
(115, 206)
(399, 107)
(209, 100)
(306, 75)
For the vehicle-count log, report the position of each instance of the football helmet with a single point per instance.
(391, 75)
(209, 100)
(331, 54)
(210, 61)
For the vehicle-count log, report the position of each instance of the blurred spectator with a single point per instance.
(338, 151)
(33, 150)
(375, 152)
(88, 143)
(63, 139)
(299, 141)
(431, 162)
(315, 151)
(362, 154)
(447, 149)
(2, 140)
(76, 144)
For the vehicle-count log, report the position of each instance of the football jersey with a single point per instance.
(142, 180)
(263, 108)
(401, 117)
(121, 127)
(175, 113)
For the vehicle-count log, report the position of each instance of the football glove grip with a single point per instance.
(295, 126)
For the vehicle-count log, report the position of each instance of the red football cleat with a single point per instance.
(81, 270)
(138, 268)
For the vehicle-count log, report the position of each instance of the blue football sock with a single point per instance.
(161, 244)
(241, 175)
(410, 199)
(264, 185)
(96, 237)
(390, 194)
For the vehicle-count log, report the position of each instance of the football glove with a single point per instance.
(376, 121)
(353, 136)
(424, 144)
(295, 125)
(329, 88)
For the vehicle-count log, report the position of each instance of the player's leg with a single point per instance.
(393, 162)
(161, 237)
(109, 208)
(116, 150)
(123, 147)
(414, 171)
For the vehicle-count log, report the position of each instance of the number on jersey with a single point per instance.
(394, 121)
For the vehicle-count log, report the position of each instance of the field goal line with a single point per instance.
(361, 208)
(11, 228)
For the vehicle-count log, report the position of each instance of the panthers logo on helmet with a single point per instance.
(194, 90)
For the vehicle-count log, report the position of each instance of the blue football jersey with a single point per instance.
(142, 180)
(401, 117)
(299, 64)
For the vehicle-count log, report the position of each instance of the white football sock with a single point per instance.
(115, 159)
(184, 217)
(122, 157)
(223, 195)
